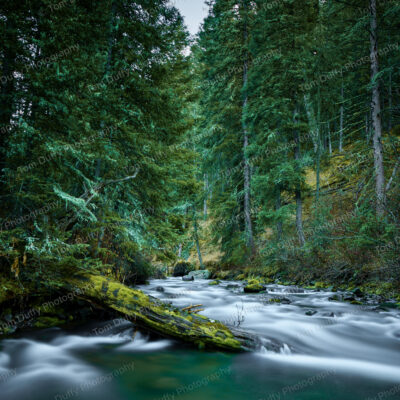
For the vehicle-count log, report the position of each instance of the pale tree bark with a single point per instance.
(299, 201)
(246, 169)
(341, 119)
(196, 238)
(205, 195)
(278, 206)
(313, 123)
(390, 102)
(329, 138)
(376, 116)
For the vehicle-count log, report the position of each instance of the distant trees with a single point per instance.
(295, 82)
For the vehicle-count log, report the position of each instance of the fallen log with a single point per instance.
(150, 314)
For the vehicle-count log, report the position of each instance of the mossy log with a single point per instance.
(152, 315)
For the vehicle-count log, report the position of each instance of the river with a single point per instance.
(326, 350)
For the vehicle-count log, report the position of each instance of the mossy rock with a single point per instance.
(214, 283)
(48, 322)
(182, 268)
(240, 277)
(254, 286)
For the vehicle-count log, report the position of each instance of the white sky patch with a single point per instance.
(194, 12)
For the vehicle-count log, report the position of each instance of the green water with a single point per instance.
(340, 352)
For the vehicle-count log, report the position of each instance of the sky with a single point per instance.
(194, 12)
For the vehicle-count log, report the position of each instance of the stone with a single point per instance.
(310, 313)
(357, 292)
(181, 268)
(254, 288)
(200, 274)
(160, 289)
(233, 286)
(187, 278)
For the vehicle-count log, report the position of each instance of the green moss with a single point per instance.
(155, 315)
(214, 283)
(254, 286)
(47, 322)
(275, 300)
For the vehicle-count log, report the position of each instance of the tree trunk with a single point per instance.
(299, 201)
(278, 206)
(376, 116)
(196, 239)
(390, 102)
(329, 138)
(246, 169)
(341, 119)
(205, 196)
(152, 315)
(180, 250)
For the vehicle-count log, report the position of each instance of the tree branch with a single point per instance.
(396, 167)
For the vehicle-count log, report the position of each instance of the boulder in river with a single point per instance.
(254, 286)
(357, 292)
(201, 274)
(181, 268)
(187, 278)
(310, 313)
(232, 286)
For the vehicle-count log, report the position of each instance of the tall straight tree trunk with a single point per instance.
(246, 169)
(315, 128)
(390, 102)
(205, 196)
(376, 116)
(299, 201)
(329, 138)
(278, 206)
(196, 238)
(341, 118)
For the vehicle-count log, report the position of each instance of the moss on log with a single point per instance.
(153, 315)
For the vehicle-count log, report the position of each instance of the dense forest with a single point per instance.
(271, 147)
(158, 176)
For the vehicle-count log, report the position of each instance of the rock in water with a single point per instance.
(310, 313)
(357, 292)
(187, 278)
(254, 288)
(181, 268)
(201, 274)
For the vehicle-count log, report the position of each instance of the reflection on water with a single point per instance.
(329, 350)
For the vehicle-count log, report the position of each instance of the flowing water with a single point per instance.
(327, 350)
